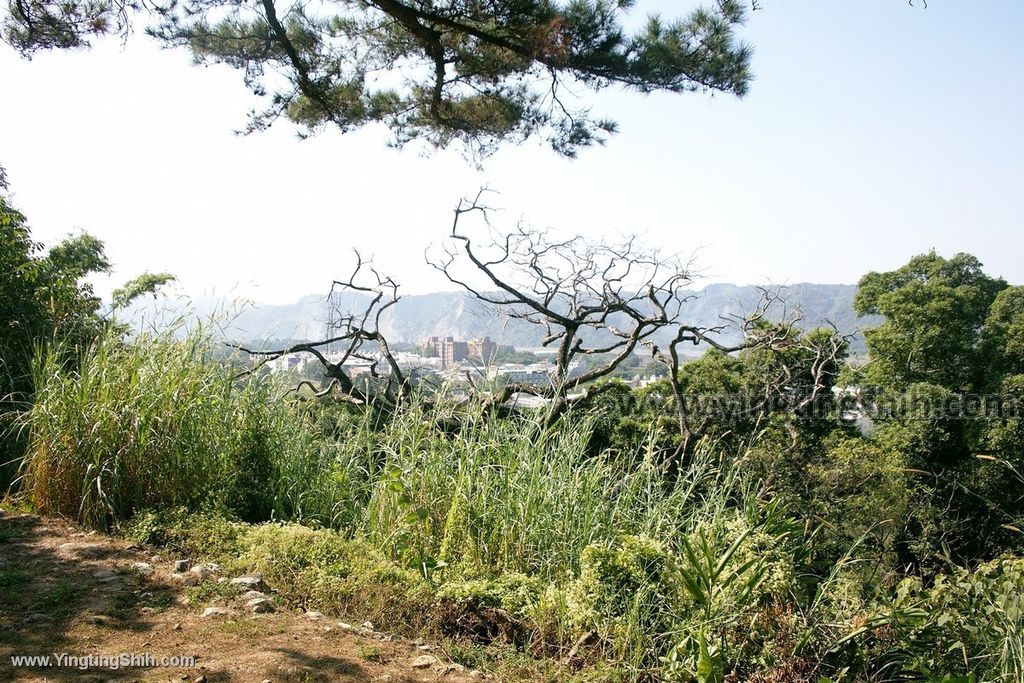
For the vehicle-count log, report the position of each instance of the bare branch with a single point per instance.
(594, 299)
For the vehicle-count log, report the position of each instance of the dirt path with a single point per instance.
(63, 590)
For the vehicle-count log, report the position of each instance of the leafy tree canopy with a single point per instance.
(475, 72)
(1004, 332)
(945, 357)
(19, 309)
(44, 295)
(935, 309)
(147, 283)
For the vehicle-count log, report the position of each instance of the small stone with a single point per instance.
(454, 667)
(367, 625)
(424, 662)
(425, 647)
(187, 578)
(181, 565)
(260, 605)
(37, 616)
(154, 559)
(476, 673)
(205, 570)
(328, 629)
(345, 627)
(177, 627)
(251, 581)
(200, 679)
(103, 574)
(214, 612)
(143, 568)
(252, 595)
(312, 614)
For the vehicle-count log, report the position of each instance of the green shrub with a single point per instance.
(253, 474)
(486, 610)
(515, 593)
(194, 535)
(969, 625)
(861, 493)
(975, 622)
(631, 593)
(320, 569)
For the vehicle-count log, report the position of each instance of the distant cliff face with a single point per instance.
(463, 317)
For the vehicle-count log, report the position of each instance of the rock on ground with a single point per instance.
(424, 662)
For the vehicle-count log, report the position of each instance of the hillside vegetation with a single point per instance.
(733, 524)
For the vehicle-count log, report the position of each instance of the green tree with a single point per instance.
(715, 388)
(145, 284)
(1001, 466)
(859, 490)
(935, 309)
(479, 73)
(950, 331)
(1003, 334)
(927, 426)
(41, 297)
(45, 297)
(21, 311)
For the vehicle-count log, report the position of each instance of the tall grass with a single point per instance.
(513, 495)
(162, 422)
(152, 424)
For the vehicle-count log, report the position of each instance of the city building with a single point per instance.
(453, 351)
(482, 349)
(432, 347)
(289, 363)
(448, 350)
(516, 373)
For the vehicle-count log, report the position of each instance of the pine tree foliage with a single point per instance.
(475, 72)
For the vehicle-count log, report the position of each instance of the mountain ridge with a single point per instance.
(458, 314)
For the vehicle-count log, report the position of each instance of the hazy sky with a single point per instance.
(873, 131)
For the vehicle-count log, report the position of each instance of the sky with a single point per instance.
(873, 131)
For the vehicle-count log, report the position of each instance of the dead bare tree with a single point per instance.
(594, 300)
(359, 336)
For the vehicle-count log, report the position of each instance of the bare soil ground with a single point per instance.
(65, 590)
